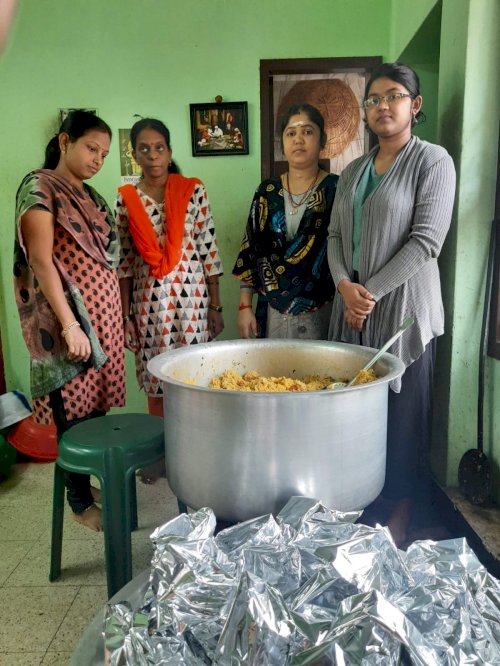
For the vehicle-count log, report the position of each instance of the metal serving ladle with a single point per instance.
(406, 324)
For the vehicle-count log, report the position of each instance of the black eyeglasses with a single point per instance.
(372, 102)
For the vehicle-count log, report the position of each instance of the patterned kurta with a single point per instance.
(93, 388)
(405, 222)
(292, 275)
(171, 311)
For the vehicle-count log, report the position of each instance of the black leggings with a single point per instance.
(409, 424)
(409, 428)
(77, 485)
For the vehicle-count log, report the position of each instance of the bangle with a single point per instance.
(65, 330)
(215, 308)
(244, 306)
(126, 318)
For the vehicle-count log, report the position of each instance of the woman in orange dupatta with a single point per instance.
(170, 264)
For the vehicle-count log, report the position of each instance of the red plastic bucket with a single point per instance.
(33, 439)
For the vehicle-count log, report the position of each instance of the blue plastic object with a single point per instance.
(14, 407)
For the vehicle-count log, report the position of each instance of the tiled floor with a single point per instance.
(41, 622)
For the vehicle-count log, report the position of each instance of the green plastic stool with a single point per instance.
(7, 457)
(111, 448)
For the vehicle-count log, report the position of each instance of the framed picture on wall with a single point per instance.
(335, 86)
(64, 113)
(219, 129)
(130, 171)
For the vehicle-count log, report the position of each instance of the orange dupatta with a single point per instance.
(178, 192)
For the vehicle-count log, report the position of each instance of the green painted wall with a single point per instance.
(422, 53)
(154, 57)
(469, 110)
(406, 18)
(456, 51)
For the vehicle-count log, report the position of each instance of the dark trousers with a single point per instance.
(77, 485)
(409, 425)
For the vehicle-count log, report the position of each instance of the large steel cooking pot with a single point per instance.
(246, 454)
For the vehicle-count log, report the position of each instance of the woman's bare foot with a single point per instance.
(96, 494)
(399, 522)
(91, 518)
(152, 473)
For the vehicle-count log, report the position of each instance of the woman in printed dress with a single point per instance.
(67, 290)
(283, 253)
(170, 264)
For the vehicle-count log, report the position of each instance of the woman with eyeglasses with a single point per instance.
(389, 221)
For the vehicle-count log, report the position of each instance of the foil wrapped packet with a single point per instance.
(307, 587)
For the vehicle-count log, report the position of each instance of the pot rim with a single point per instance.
(157, 364)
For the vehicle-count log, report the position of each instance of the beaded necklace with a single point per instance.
(295, 205)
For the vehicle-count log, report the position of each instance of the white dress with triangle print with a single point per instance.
(171, 311)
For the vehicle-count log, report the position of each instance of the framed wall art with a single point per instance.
(219, 128)
(64, 113)
(335, 86)
(130, 171)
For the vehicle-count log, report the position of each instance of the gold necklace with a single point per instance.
(296, 205)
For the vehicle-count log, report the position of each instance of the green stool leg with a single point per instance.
(116, 515)
(57, 523)
(133, 503)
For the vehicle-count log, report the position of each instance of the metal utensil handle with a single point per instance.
(406, 324)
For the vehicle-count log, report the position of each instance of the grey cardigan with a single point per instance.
(405, 222)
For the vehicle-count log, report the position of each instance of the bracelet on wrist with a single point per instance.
(215, 308)
(244, 306)
(126, 318)
(66, 329)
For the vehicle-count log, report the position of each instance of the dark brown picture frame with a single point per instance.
(219, 129)
(304, 66)
(64, 113)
